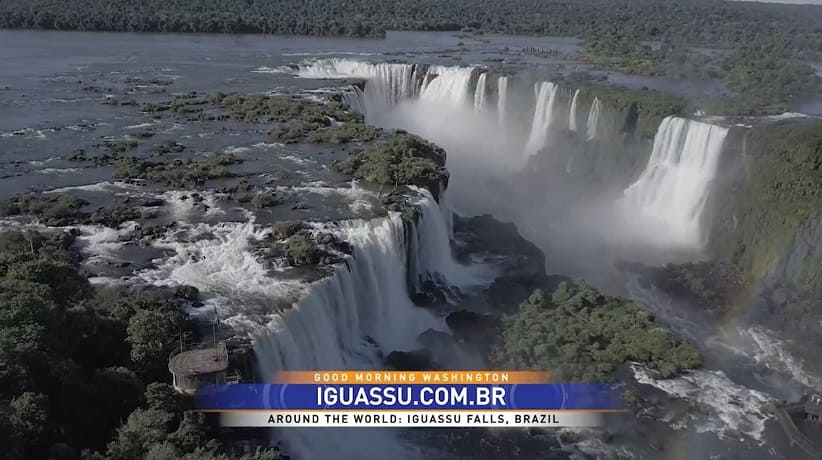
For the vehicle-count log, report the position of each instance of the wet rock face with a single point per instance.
(473, 327)
(428, 293)
(712, 286)
(418, 360)
(765, 219)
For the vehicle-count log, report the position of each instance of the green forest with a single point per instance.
(760, 51)
(713, 22)
(83, 368)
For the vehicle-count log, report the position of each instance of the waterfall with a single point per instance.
(593, 119)
(434, 258)
(355, 99)
(390, 83)
(350, 321)
(502, 99)
(364, 308)
(546, 94)
(479, 93)
(447, 84)
(671, 192)
(572, 113)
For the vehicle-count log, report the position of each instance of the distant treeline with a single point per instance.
(716, 22)
(761, 51)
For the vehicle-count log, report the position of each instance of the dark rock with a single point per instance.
(154, 202)
(471, 326)
(187, 292)
(418, 360)
(428, 293)
(434, 339)
(283, 230)
(77, 155)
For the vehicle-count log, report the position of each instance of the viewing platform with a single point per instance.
(802, 423)
(198, 364)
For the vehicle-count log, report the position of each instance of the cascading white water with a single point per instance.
(447, 84)
(434, 257)
(546, 98)
(670, 194)
(355, 99)
(479, 93)
(502, 100)
(391, 82)
(365, 298)
(592, 124)
(572, 113)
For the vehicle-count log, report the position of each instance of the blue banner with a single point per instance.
(551, 396)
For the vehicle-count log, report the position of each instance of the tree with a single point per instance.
(162, 396)
(151, 333)
(28, 415)
(143, 429)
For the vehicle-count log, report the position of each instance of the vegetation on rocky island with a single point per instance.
(68, 349)
(401, 159)
(584, 335)
(179, 172)
(62, 209)
(292, 242)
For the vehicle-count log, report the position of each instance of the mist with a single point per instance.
(514, 158)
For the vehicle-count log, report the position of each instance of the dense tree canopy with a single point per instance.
(715, 22)
(584, 335)
(75, 362)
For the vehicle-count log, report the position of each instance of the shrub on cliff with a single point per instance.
(402, 159)
(584, 335)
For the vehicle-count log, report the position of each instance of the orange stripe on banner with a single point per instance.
(418, 377)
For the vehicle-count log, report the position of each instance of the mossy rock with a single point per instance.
(283, 230)
(58, 209)
(177, 172)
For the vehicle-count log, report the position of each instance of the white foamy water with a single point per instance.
(765, 349)
(216, 260)
(671, 192)
(346, 322)
(728, 409)
(143, 125)
(546, 94)
(389, 83)
(502, 100)
(572, 113)
(447, 84)
(479, 93)
(57, 170)
(273, 70)
(28, 133)
(105, 186)
(592, 124)
(182, 206)
(434, 257)
(98, 242)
